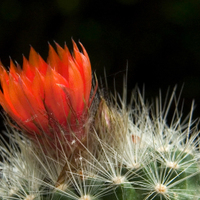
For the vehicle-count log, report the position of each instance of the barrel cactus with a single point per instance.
(66, 140)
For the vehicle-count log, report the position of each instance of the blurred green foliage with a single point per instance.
(158, 40)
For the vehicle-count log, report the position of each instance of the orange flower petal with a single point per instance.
(14, 72)
(76, 88)
(84, 68)
(54, 96)
(36, 60)
(60, 50)
(28, 70)
(54, 60)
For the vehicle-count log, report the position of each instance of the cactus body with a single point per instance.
(130, 154)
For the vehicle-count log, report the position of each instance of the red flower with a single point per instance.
(48, 97)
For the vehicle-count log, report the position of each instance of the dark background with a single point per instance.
(159, 40)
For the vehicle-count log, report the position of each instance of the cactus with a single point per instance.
(112, 151)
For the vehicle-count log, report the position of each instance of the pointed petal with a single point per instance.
(84, 66)
(54, 98)
(37, 62)
(14, 72)
(28, 70)
(33, 57)
(54, 60)
(60, 50)
(87, 73)
(76, 88)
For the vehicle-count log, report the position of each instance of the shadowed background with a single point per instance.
(158, 40)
